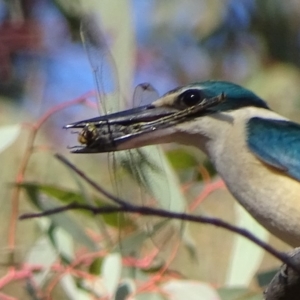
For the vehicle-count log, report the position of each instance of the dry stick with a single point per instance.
(143, 210)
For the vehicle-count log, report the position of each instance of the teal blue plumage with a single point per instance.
(276, 142)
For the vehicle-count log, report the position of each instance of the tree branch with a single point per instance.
(149, 211)
(286, 283)
(123, 206)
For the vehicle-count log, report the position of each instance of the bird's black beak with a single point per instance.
(107, 133)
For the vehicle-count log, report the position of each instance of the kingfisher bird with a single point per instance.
(255, 150)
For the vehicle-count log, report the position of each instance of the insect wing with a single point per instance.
(144, 94)
(144, 172)
(102, 64)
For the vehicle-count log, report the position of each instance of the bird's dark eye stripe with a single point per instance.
(190, 98)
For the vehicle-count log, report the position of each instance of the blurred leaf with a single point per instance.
(190, 244)
(122, 292)
(67, 196)
(181, 159)
(136, 274)
(50, 230)
(278, 81)
(32, 193)
(189, 290)
(264, 278)
(95, 266)
(122, 48)
(73, 292)
(61, 220)
(242, 269)
(149, 167)
(8, 134)
(43, 254)
(238, 294)
(68, 12)
(111, 272)
(132, 243)
(63, 195)
(125, 288)
(31, 289)
(118, 220)
(207, 164)
(71, 226)
(64, 244)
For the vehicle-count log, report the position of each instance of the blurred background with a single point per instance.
(43, 66)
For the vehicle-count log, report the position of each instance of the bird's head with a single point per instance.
(190, 115)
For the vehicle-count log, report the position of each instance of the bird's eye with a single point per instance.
(190, 98)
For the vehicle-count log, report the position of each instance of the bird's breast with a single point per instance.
(272, 197)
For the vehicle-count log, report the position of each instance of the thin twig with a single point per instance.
(149, 211)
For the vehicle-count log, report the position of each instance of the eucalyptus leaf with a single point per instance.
(181, 159)
(189, 290)
(150, 168)
(62, 194)
(241, 269)
(74, 228)
(132, 243)
(43, 254)
(61, 220)
(125, 288)
(8, 134)
(118, 220)
(264, 278)
(64, 244)
(65, 196)
(111, 272)
(95, 266)
(72, 291)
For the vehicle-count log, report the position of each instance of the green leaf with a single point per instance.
(181, 159)
(8, 134)
(64, 244)
(122, 292)
(190, 290)
(63, 195)
(190, 244)
(61, 220)
(242, 269)
(68, 196)
(150, 168)
(73, 292)
(41, 253)
(95, 266)
(264, 278)
(132, 243)
(118, 220)
(71, 226)
(111, 272)
(207, 164)
(125, 288)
